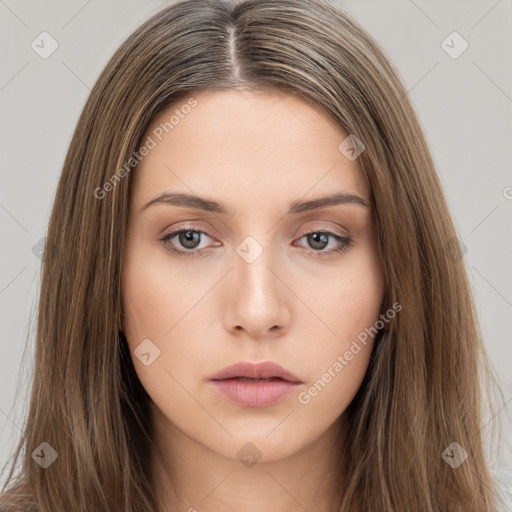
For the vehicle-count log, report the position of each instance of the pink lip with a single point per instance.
(264, 370)
(278, 383)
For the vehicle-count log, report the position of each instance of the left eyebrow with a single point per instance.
(210, 205)
(322, 202)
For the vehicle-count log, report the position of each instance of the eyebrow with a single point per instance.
(209, 205)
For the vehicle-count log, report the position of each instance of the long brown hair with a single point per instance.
(422, 390)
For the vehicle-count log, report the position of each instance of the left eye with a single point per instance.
(320, 239)
(189, 239)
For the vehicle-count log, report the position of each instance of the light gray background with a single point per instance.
(464, 104)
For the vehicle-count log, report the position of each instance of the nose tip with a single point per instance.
(258, 302)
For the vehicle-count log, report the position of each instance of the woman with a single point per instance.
(251, 297)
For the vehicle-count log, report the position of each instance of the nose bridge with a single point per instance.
(255, 258)
(258, 302)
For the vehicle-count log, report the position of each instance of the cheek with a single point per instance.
(341, 361)
(350, 300)
(162, 303)
(357, 304)
(155, 294)
(326, 398)
(350, 306)
(158, 305)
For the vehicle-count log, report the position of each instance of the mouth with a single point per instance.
(249, 392)
(253, 371)
(255, 385)
(251, 379)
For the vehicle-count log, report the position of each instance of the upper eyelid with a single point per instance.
(173, 233)
(176, 231)
(192, 227)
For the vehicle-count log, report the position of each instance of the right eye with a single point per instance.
(188, 239)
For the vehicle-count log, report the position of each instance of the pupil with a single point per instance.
(187, 239)
(315, 240)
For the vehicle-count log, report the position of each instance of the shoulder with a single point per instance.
(503, 481)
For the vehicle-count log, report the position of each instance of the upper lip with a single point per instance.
(264, 370)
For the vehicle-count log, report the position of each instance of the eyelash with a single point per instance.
(346, 243)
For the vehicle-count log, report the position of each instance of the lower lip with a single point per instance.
(254, 394)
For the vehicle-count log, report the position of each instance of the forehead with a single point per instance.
(224, 141)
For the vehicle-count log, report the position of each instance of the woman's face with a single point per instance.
(265, 279)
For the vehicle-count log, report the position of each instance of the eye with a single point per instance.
(319, 240)
(190, 240)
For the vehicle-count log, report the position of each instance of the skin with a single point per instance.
(257, 153)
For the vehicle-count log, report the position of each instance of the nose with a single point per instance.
(258, 300)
